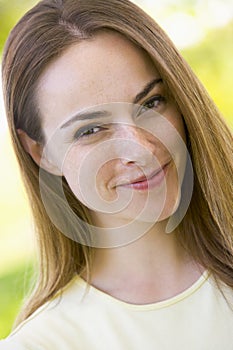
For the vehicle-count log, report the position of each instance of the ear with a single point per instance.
(35, 149)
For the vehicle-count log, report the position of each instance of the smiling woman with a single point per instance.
(118, 143)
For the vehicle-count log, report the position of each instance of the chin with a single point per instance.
(159, 213)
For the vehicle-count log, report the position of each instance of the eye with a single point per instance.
(154, 102)
(88, 131)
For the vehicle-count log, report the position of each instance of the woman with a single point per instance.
(128, 168)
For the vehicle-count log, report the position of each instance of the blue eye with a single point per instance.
(153, 103)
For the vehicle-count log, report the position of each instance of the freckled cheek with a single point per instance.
(175, 118)
(72, 164)
(80, 168)
(71, 172)
(181, 130)
(105, 174)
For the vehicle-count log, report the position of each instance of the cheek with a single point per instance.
(176, 120)
(88, 175)
(180, 127)
(71, 172)
(170, 131)
(104, 175)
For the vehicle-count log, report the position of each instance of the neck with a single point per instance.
(156, 256)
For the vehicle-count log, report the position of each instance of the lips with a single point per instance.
(145, 178)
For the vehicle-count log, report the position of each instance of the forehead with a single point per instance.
(107, 68)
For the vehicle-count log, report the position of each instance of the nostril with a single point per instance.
(125, 161)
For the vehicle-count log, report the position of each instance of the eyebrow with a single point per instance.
(150, 86)
(97, 114)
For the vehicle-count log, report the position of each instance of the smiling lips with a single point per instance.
(145, 183)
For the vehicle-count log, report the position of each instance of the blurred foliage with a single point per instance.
(10, 12)
(13, 287)
(14, 284)
(212, 62)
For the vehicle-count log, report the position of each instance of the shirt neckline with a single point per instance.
(156, 305)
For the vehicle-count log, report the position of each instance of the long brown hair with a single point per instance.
(42, 35)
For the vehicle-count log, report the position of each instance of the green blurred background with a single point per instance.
(202, 30)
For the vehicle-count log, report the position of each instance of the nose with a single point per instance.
(139, 145)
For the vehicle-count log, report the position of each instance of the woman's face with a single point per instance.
(112, 130)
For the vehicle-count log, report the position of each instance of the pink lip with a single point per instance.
(152, 181)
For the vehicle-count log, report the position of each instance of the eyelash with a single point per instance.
(156, 98)
(85, 131)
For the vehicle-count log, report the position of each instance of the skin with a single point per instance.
(101, 73)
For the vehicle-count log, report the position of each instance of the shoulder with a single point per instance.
(48, 325)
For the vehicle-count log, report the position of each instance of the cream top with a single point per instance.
(197, 319)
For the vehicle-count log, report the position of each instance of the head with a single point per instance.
(106, 52)
(112, 124)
